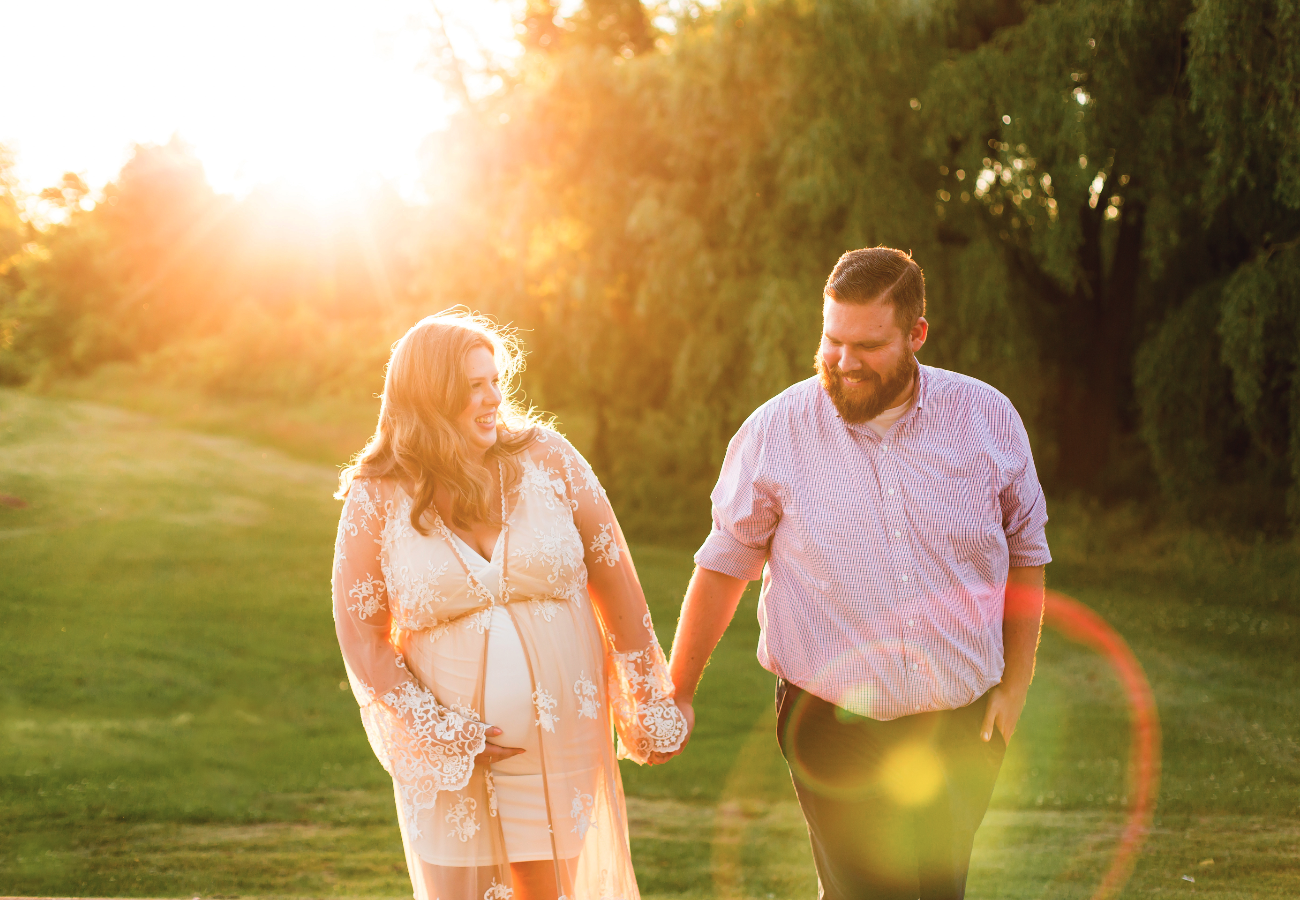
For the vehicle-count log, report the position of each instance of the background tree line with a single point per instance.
(1105, 197)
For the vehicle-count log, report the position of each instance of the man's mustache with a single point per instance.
(865, 375)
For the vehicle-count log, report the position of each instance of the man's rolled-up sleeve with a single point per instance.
(745, 511)
(1024, 510)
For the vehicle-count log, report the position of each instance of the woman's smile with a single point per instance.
(479, 420)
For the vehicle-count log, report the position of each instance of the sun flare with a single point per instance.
(313, 96)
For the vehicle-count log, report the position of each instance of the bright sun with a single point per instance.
(316, 95)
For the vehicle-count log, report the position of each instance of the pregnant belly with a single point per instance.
(508, 697)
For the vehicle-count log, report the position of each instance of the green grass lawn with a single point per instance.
(172, 722)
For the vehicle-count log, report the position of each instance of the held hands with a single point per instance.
(688, 712)
(494, 753)
(1006, 703)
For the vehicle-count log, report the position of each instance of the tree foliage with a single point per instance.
(248, 296)
(1105, 197)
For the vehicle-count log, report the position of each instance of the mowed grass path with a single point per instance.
(172, 724)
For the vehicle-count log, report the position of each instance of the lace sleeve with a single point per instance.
(426, 747)
(641, 701)
(640, 690)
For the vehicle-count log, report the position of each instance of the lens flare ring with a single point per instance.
(909, 774)
(1076, 623)
(1082, 625)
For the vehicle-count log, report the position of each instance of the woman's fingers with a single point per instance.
(496, 753)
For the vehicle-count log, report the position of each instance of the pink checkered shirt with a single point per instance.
(884, 560)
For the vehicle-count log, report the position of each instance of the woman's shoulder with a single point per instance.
(373, 482)
(370, 489)
(553, 452)
(551, 449)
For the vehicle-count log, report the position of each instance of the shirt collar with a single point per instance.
(922, 382)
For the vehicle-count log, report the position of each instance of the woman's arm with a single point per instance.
(417, 739)
(648, 722)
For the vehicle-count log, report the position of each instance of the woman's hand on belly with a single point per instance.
(494, 753)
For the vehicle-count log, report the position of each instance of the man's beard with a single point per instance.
(871, 396)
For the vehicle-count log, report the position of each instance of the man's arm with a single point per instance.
(710, 604)
(1022, 625)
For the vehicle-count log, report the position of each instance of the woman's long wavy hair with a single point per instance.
(417, 442)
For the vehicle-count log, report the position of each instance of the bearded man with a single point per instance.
(895, 516)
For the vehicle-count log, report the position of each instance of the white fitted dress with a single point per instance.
(508, 704)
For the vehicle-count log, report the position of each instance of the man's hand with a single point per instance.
(1004, 709)
(688, 712)
(1022, 625)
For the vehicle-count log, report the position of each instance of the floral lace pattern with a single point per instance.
(479, 621)
(543, 702)
(543, 484)
(423, 591)
(464, 824)
(370, 597)
(583, 813)
(359, 514)
(640, 691)
(545, 609)
(491, 787)
(426, 747)
(605, 547)
(577, 473)
(588, 700)
(498, 892)
(556, 556)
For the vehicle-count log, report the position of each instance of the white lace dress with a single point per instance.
(549, 640)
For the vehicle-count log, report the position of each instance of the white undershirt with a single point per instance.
(882, 423)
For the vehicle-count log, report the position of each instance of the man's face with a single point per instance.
(866, 362)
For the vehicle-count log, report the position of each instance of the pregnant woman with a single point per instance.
(494, 632)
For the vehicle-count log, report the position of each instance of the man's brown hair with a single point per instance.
(880, 274)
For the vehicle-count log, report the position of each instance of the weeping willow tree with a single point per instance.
(1102, 194)
(1136, 166)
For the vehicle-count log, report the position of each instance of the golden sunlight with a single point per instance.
(312, 95)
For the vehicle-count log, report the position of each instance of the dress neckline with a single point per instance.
(477, 587)
(479, 557)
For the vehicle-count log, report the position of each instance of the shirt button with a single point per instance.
(911, 621)
(903, 577)
(897, 533)
(891, 492)
(884, 448)
(913, 667)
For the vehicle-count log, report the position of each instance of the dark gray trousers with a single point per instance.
(892, 807)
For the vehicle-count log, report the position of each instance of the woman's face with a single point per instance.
(478, 421)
